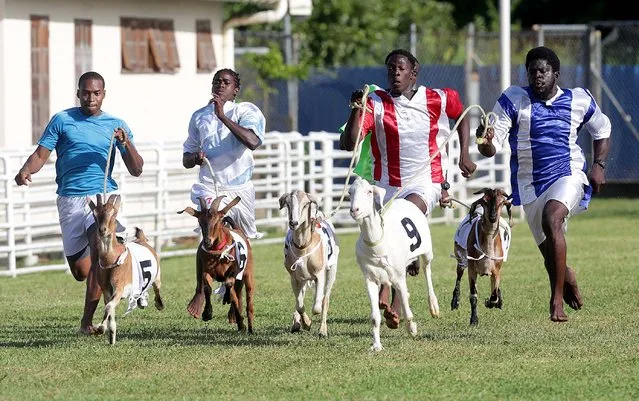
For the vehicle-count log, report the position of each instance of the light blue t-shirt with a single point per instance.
(82, 146)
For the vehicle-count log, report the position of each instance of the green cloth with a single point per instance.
(364, 167)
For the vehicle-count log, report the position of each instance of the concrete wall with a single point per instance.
(156, 106)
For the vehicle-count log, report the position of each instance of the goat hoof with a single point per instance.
(323, 335)
(454, 304)
(474, 321)
(376, 347)
(159, 303)
(295, 328)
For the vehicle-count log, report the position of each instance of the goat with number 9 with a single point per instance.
(389, 241)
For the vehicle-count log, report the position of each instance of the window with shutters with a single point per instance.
(206, 61)
(39, 75)
(83, 50)
(148, 45)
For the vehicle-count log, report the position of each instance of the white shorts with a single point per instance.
(568, 190)
(75, 219)
(243, 213)
(429, 193)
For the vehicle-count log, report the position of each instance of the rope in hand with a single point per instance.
(208, 163)
(108, 162)
(486, 122)
(356, 149)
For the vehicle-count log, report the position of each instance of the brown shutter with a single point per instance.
(39, 75)
(83, 50)
(205, 54)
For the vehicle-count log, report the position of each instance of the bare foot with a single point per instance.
(571, 290)
(383, 297)
(392, 319)
(195, 306)
(557, 313)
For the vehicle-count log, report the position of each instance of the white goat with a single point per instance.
(310, 256)
(387, 244)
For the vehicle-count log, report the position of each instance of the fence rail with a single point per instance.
(29, 225)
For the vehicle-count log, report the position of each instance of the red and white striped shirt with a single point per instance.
(406, 132)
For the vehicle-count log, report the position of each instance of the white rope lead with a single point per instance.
(356, 149)
(208, 163)
(108, 162)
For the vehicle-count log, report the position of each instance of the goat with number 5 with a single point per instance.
(310, 257)
(124, 271)
(388, 242)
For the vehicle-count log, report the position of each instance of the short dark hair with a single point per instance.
(90, 75)
(543, 53)
(236, 76)
(405, 53)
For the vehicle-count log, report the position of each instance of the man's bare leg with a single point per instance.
(554, 252)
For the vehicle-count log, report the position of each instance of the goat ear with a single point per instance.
(283, 201)
(509, 206)
(115, 200)
(91, 204)
(378, 196)
(190, 211)
(481, 191)
(473, 206)
(230, 205)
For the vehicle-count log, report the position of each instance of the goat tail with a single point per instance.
(139, 235)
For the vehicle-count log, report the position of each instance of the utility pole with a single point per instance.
(291, 84)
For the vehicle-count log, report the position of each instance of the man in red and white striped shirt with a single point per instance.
(408, 124)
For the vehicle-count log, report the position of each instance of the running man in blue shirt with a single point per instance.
(81, 138)
(541, 122)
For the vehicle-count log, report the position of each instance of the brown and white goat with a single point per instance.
(482, 241)
(224, 255)
(124, 271)
(311, 252)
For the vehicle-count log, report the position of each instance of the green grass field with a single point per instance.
(514, 354)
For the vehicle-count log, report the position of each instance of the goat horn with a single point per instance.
(202, 203)
(216, 203)
(99, 199)
(230, 205)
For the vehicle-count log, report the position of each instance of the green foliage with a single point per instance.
(343, 32)
(514, 354)
(272, 66)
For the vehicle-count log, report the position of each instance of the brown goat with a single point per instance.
(481, 243)
(224, 255)
(123, 271)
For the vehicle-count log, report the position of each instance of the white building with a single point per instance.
(157, 58)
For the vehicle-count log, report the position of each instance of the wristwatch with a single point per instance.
(445, 185)
(601, 163)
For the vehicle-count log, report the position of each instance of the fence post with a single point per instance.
(327, 174)
(11, 235)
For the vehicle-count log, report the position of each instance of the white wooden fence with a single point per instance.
(29, 227)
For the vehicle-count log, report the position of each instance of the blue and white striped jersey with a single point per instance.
(543, 138)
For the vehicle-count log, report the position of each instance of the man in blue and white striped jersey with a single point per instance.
(541, 122)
